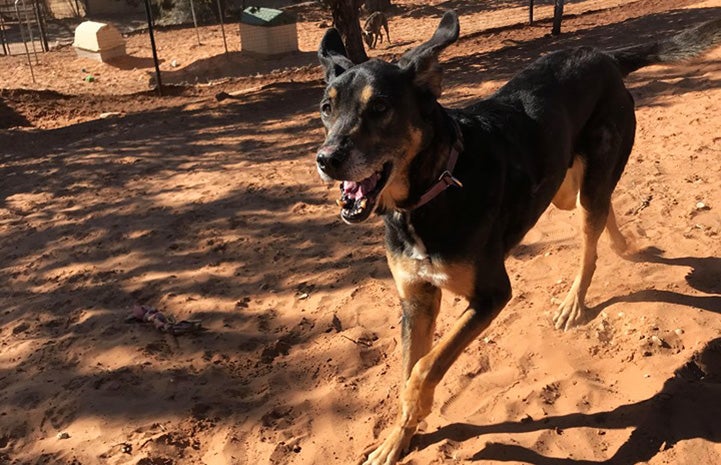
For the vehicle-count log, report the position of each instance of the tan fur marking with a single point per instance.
(332, 92)
(366, 95)
(567, 196)
(407, 272)
(397, 189)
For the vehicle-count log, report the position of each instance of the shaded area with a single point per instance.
(10, 118)
(685, 408)
(91, 222)
(502, 64)
(254, 248)
(238, 64)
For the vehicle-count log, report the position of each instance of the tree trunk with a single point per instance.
(346, 14)
(557, 17)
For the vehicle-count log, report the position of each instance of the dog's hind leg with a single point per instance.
(572, 308)
(605, 150)
(619, 244)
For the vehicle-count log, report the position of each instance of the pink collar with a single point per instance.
(446, 179)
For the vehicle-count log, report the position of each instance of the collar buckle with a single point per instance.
(449, 179)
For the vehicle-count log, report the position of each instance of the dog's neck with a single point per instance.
(431, 170)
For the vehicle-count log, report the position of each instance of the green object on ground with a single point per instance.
(267, 17)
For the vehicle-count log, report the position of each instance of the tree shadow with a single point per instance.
(461, 7)
(704, 275)
(237, 64)
(10, 118)
(131, 62)
(686, 407)
(91, 223)
(503, 63)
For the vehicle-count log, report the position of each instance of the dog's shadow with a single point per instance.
(687, 407)
(704, 276)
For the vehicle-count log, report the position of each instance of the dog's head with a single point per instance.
(375, 117)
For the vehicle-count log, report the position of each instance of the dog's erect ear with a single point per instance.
(422, 61)
(332, 54)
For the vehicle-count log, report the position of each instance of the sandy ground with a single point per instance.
(213, 211)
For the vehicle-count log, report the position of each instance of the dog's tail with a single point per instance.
(685, 45)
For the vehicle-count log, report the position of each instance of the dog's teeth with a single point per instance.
(340, 203)
(363, 203)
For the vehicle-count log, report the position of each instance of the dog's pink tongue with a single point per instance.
(358, 190)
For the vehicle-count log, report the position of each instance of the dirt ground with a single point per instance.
(213, 211)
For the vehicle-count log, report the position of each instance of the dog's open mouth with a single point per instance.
(358, 199)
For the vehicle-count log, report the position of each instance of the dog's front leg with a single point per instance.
(427, 372)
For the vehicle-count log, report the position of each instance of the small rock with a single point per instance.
(174, 63)
(678, 331)
(303, 296)
(657, 341)
(702, 206)
(109, 114)
(63, 435)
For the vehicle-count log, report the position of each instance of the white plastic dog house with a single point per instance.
(99, 41)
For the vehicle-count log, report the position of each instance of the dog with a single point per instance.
(372, 32)
(458, 189)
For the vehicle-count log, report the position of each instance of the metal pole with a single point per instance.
(30, 31)
(22, 35)
(3, 39)
(530, 12)
(149, 14)
(195, 21)
(41, 27)
(222, 27)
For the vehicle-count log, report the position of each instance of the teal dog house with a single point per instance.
(267, 31)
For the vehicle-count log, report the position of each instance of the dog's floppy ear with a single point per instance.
(422, 61)
(332, 54)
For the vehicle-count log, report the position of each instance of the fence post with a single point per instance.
(222, 27)
(149, 14)
(530, 12)
(195, 21)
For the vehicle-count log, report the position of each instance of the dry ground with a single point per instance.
(213, 210)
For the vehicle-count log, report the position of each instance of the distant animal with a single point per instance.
(372, 32)
(458, 189)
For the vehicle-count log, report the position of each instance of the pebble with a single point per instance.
(702, 206)
(678, 331)
(657, 340)
(63, 435)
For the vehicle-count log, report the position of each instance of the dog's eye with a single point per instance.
(379, 107)
(325, 108)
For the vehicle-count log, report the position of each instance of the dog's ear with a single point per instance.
(332, 54)
(422, 61)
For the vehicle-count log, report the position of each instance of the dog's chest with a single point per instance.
(412, 263)
(456, 277)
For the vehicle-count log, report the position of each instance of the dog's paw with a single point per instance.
(390, 451)
(570, 312)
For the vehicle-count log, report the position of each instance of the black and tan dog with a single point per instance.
(373, 29)
(458, 189)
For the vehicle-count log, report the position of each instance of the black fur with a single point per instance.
(383, 121)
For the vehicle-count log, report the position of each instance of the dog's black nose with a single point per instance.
(326, 159)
